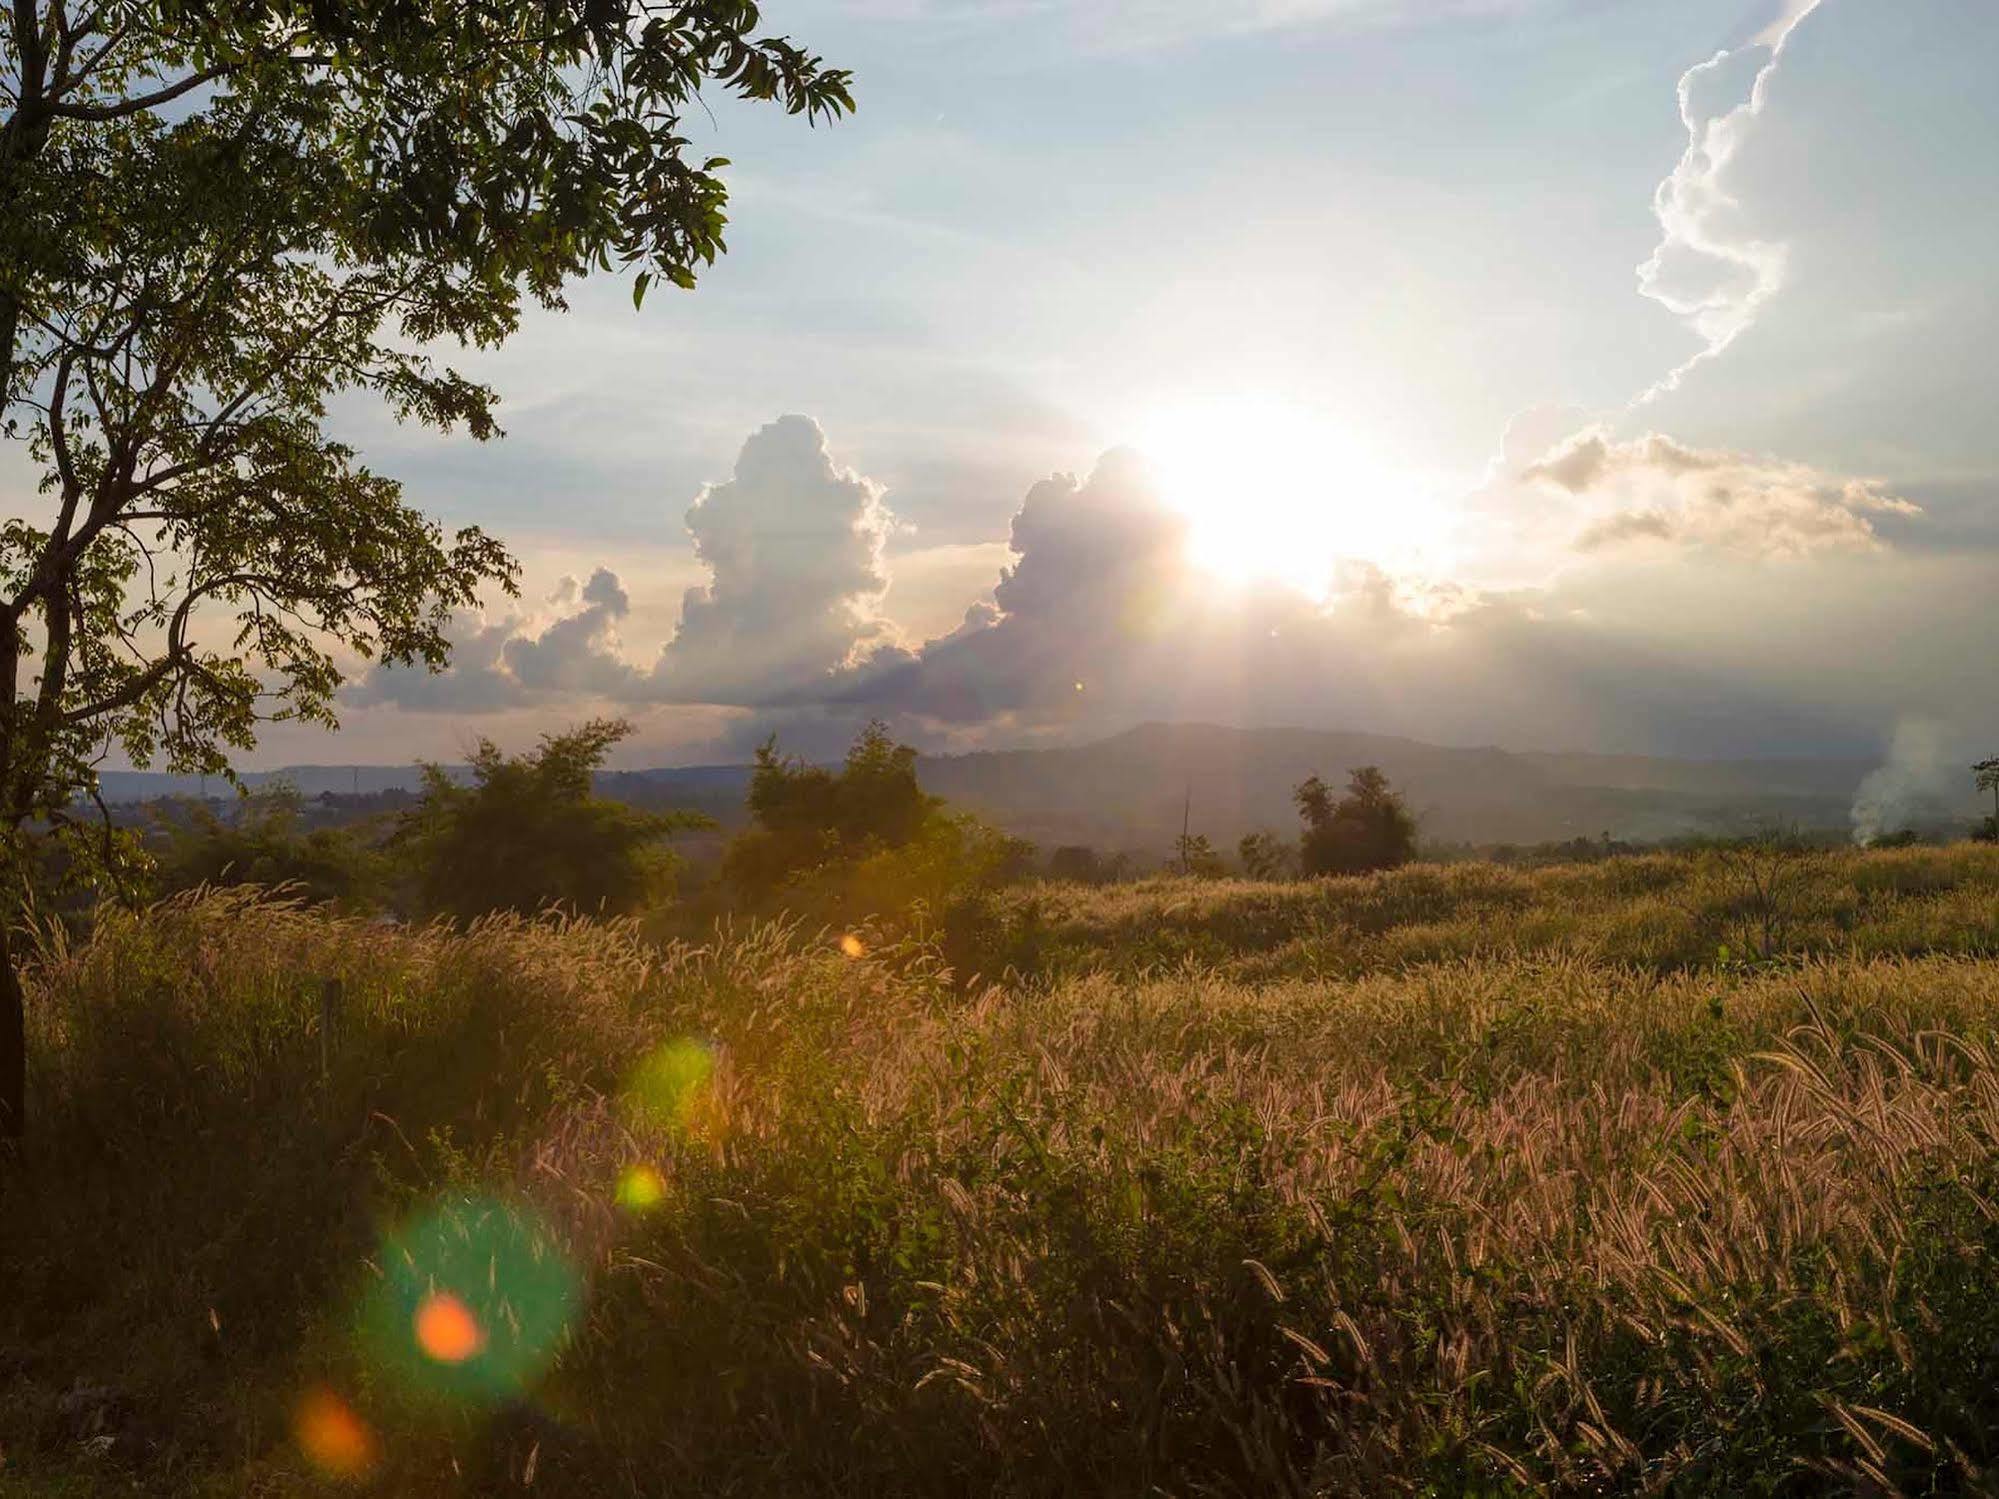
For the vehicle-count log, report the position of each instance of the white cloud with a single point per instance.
(1709, 269)
(793, 545)
(1654, 489)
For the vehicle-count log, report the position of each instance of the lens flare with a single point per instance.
(640, 1188)
(446, 1330)
(474, 1301)
(669, 1088)
(333, 1439)
(853, 946)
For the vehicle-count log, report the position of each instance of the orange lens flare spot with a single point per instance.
(333, 1439)
(640, 1188)
(446, 1330)
(853, 946)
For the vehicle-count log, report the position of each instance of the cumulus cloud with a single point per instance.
(1099, 618)
(476, 681)
(516, 661)
(579, 652)
(1099, 569)
(1711, 269)
(1655, 489)
(793, 544)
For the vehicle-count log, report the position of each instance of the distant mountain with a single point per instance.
(1131, 791)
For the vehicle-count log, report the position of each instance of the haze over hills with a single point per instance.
(1131, 791)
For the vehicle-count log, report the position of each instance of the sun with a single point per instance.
(1275, 492)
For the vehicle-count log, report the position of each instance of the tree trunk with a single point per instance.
(13, 1038)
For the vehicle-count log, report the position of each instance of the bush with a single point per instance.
(264, 841)
(1367, 829)
(866, 840)
(531, 832)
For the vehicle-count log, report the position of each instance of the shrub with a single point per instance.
(531, 832)
(1367, 829)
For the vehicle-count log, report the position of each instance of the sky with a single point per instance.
(1584, 374)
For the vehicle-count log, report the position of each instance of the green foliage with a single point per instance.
(865, 840)
(1194, 855)
(263, 841)
(1367, 829)
(530, 832)
(1265, 856)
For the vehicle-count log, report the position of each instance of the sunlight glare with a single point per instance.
(1276, 492)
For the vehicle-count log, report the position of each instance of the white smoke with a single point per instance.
(1708, 270)
(1920, 785)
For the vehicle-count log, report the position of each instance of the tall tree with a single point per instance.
(531, 832)
(1369, 828)
(1986, 775)
(218, 216)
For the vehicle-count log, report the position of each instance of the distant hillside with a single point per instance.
(1129, 791)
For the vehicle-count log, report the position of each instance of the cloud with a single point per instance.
(579, 653)
(793, 545)
(1099, 569)
(1100, 619)
(1710, 268)
(1116, 26)
(1656, 489)
(476, 681)
(517, 661)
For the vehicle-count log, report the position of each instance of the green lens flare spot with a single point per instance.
(474, 1302)
(667, 1089)
(640, 1188)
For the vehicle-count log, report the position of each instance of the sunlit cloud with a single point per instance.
(1656, 490)
(1708, 268)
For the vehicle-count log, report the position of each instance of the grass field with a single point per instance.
(1671, 1174)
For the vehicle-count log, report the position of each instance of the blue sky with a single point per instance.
(1361, 278)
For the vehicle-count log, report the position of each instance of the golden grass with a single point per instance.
(1457, 1180)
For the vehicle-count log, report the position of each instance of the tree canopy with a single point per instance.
(1367, 829)
(861, 840)
(530, 832)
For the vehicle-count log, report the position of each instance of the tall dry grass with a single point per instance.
(1535, 1217)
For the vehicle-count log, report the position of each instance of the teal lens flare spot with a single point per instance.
(474, 1302)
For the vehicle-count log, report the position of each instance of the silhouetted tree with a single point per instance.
(218, 219)
(865, 839)
(1265, 856)
(1196, 856)
(805, 816)
(1986, 775)
(1369, 828)
(531, 832)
